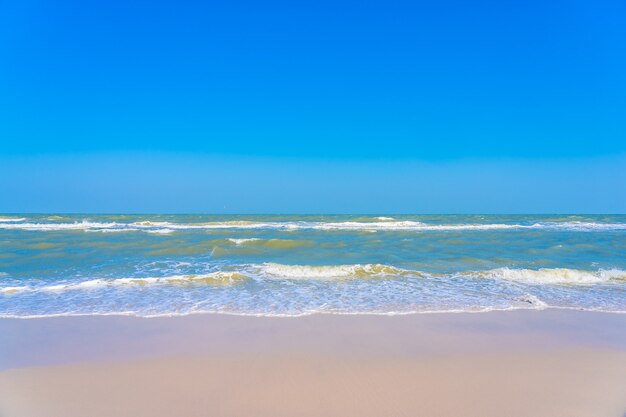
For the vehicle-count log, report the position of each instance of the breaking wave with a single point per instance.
(332, 272)
(380, 224)
(243, 273)
(528, 276)
(215, 278)
(554, 275)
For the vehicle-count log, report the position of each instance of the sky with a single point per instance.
(313, 107)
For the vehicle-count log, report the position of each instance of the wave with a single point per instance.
(332, 271)
(11, 219)
(84, 225)
(242, 241)
(14, 290)
(373, 219)
(214, 278)
(554, 275)
(580, 226)
(239, 274)
(528, 276)
(381, 224)
(272, 271)
(160, 231)
(272, 243)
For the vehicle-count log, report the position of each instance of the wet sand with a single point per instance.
(545, 363)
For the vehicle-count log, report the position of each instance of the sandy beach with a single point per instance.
(547, 363)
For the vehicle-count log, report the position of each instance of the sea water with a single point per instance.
(286, 265)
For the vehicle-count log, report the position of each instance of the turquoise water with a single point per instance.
(151, 265)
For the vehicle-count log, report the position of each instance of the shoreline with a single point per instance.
(514, 363)
(487, 310)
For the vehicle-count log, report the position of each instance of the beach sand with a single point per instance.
(521, 363)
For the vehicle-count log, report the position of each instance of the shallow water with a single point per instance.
(149, 265)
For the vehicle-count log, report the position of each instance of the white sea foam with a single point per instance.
(528, 276)
(383, 224)
(554, 275)
(214, 278)
(12, 219)
(331, 271)
(400, 226)
(84, 225)
(274, 271)
(533, 300)
(132, 313)
(161, 231)
(580, 226)
(14, 290)
(239, 242)
(111, 230)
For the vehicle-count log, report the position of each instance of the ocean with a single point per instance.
(288, 265)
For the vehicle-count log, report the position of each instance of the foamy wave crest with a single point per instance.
(87, 226)
(380, 224)
(239, 242)
(13, 290)
(404, 225)
(331, 271)
(12, 219)
(84, 225)
(160, 231)
(275, 271)
(279, 244)
(580, 226)
(214, 278)
(373, 219)
(553, 275)
(527, 276)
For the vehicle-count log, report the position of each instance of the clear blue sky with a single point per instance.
(338, 106)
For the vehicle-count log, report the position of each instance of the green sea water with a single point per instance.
(287, 265)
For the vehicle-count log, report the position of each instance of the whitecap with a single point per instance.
(383, 224)
(242, 241)
(553, 275)
(330, 271)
